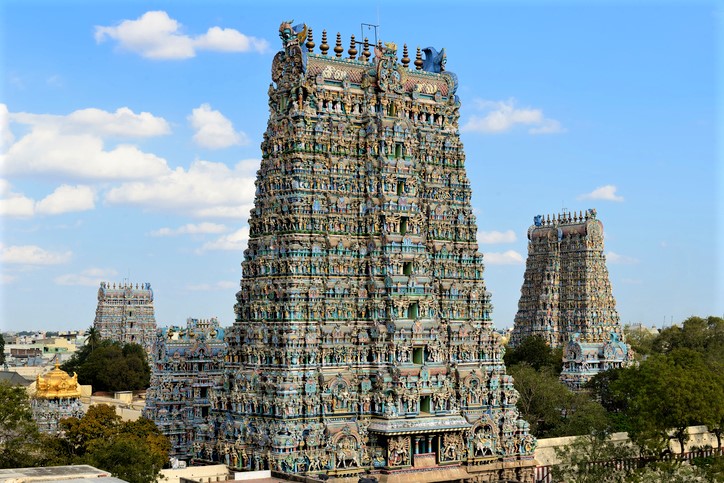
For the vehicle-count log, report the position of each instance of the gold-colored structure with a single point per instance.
(57, 384)
(57, 396)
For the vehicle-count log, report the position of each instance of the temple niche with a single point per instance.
(125, 314)
(57, 396)
(567, 299)
(363, 340)
(186, 380)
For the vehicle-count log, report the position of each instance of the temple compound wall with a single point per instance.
(125, 314)
(363, 339)
(567, 299)
(187, 376)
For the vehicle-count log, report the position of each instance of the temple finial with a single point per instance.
(338, 49)
(418, 60)
(366, 50)
(352, 49)
(324, 47)
(310, 41)
(405, 59)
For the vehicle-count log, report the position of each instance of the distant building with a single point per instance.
(567, 299)
(57, 396)
(187, 375)
(125, 314)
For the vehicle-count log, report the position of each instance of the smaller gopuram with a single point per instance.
(125, 314)
(57, 396)
(187, 375)
(566, 296)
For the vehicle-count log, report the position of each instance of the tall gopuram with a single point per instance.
(566, 296)
(363, 341)
(187, 375)
(125, 314)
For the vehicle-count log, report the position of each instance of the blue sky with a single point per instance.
(130, 132)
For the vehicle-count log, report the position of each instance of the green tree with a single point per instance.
(669, 392)
(705, 336)
(641, 340)
(597, 459)
(589, 459)
(535, 352)
(20, 441)
(134, 450)
(111, 366)
(551, 408)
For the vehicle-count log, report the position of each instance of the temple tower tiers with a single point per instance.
(363, 339)
(187, 377)
(566, 296)
(125, 314)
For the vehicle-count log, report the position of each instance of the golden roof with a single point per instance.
(57, 384)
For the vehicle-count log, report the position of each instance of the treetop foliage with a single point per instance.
(534, 351)
(109, 366)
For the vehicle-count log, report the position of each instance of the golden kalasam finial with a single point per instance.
(405, 59)
(310, 42)
(338, 49)
(352, 48)
(418, 60)
(366, 50)
(325, 46)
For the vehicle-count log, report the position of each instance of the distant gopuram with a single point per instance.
(363, 342)
(125, 314)
(566, 296)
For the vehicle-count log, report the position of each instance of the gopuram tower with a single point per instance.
(125, 314)
(566, 296)
(363, 342)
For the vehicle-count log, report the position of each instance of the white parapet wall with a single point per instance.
(202, 474)
(545, 453)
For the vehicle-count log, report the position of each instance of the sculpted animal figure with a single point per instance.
(434, 61)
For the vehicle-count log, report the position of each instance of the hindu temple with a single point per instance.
(186, 377)
(566, 296)
(363, 341)
(125, 314)
(57, 396)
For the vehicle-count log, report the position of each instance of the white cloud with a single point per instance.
(492, 237)
(510, 257)
(14, 204)
(72, 146)
(31, 255)
(213, 129)
(155, 35)
(604, 193)
(191, 229)
(47, 152)
(208, 287)
(206, 190)
(6, 136)
(121, 123)
(91, 277)
(502, 116)
(617, 259)
(233, 241)
(66, 199)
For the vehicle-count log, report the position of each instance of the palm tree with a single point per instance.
(93, 338)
